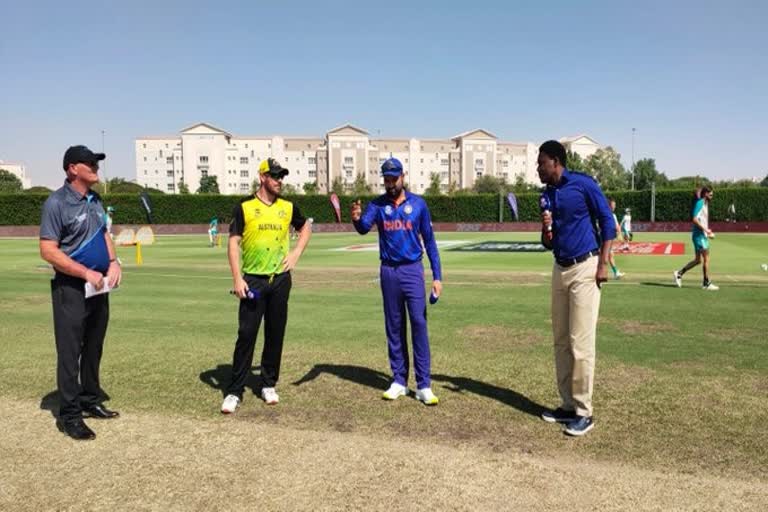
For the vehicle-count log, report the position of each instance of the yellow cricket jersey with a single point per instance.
(265, 233)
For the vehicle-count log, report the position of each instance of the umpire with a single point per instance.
(75, 241)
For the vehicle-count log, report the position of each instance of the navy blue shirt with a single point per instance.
(577, 203)
(401, 230)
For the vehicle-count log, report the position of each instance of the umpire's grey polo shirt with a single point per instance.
(74, 221)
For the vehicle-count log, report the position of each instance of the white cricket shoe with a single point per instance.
(269, 395)
(619, 274)
(230, 404)
(710, 287)
(395, 391)
(678, 279)
(425, 395)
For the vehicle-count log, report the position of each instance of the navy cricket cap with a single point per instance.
(392, 167)
(81, 155)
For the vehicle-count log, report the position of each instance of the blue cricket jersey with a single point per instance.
(401, 231)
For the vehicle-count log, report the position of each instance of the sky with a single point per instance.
(691, 77)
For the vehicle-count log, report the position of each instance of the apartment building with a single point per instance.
(343, 154)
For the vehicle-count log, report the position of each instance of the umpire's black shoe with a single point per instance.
(100, 412)
(76, 429)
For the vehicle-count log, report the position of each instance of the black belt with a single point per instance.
(569, 262)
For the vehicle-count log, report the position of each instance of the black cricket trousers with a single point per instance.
(79, 325)
(272, 305)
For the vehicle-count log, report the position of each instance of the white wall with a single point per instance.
(20, 171)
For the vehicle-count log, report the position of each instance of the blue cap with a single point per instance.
(392, 167)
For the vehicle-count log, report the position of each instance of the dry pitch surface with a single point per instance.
(149, 462)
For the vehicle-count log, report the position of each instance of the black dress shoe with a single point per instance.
(100, 412)
(76, 429)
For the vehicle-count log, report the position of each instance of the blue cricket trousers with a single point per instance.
(402, 287)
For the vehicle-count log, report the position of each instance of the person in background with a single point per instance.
(213, 232)
(611, 260)
(626, 229)
(700, 234)
(108, 220)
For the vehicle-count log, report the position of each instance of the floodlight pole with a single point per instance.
(633, 159)
(104, 165)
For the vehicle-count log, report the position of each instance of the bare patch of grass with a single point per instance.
(637, 327)
(489, 337)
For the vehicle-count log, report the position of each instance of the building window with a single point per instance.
(348, 174)
(443, 161)
(479, 162)
(348, 160)
(246, 146)
(169, 160)
(166, 146)
(245, 187)
(203, 173)
(505, 163)
(157, 172)
(161, 153)
(312, 174)
(144, 146)
(145, 172)
(243, 160)
(251, 153)
(479, 174)
(203, 159)
(169, 187)
(243, 173)
(422, 160)
(169, 174)
(145, 159)
(312, 160)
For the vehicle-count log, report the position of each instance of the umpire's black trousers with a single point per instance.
(272, 305)
(79, 326)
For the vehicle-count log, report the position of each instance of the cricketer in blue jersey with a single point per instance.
(403, 222)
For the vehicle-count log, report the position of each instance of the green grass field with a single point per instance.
(681, 379)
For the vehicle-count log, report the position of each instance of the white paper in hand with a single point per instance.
(91, 290)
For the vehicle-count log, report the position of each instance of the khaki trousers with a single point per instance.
(575, 306)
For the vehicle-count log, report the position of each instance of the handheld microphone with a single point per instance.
(546, 207)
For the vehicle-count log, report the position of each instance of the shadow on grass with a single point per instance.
(506, 396)
(50, 402)
(378, 380)
(357, 374)
(220, 377)
(662, 285)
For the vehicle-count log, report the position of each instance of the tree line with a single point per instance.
(605, 165)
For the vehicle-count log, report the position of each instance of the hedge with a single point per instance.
(671, 205)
